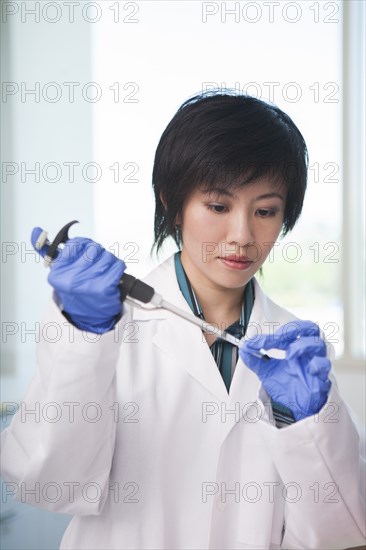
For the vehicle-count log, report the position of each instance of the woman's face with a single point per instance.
(228, 234)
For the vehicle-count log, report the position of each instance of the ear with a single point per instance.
(177, 220)
(162, 199)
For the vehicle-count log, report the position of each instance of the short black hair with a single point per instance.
(229, 139)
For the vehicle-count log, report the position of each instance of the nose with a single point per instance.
(240, 233)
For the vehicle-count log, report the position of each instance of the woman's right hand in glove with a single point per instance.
(85, 278)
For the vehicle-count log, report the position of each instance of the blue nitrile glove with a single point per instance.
(300, 380)
(85, 277)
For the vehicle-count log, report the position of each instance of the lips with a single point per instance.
(235, 258)
(236, 262)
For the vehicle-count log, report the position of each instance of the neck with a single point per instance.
(219, 304)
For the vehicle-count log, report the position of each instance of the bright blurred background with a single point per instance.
(87, 90)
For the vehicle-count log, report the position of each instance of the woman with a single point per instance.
(164, 436)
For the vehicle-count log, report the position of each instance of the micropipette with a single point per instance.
(136, 292)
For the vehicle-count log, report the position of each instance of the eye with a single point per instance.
(217, 208)
(266, 212)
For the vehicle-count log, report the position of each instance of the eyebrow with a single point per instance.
(217, 191)
(222, 191)
(270, 196)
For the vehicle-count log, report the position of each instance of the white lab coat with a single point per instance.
(137, 438)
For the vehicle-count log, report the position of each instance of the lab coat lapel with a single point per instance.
(177, 338)
(189, 351)
(245, 384)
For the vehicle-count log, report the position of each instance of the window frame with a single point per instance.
(353, 172)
